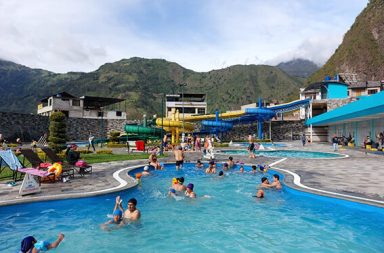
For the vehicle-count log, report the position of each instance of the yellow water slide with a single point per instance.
(225, 115)
(175, 125)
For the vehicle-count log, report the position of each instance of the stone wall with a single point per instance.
(281, 130)
(31, 127)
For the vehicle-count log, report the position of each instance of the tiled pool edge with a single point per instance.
(293, 180)
(121, 176)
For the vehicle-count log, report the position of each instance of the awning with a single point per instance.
(366, 108)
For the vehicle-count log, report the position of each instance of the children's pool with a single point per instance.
(284, 153)
(224, 218)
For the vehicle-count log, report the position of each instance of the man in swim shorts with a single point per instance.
(189, 192)
(179, 157)
(30, 245)
(251, 149)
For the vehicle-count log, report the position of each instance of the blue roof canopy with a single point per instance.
(366, 107)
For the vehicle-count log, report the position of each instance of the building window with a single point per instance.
(100, 114)
(200, 110)
(370, 92)
(49, 101)
(75, 102)
(119, 113)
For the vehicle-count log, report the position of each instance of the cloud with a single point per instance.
(201, 35)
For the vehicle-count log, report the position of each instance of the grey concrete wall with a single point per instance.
(281, 130)
(31, 127)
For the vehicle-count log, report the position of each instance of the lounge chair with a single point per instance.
(10, 161)
(56, 159)
(9, 158)
(37, 163)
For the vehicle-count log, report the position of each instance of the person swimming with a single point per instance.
(30, 245)
(189, 192)
(199, 164)
(254, 169)
(225, 166)
(117, 215)
(211, 168)
(221, 173)
(260, 194)
(178, 184)
(241, 170)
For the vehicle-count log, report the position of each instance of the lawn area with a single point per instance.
(101, 158)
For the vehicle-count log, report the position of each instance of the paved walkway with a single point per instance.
(359, 175)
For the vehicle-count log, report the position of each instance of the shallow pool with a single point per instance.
(284, 153)
(265, 144)
(229, 220)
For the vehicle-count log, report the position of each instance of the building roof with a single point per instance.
(318, 85)
(366, 108)
(59, 95)
(98, 102)
(368, 84)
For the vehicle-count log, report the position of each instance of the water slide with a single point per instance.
(139, 132)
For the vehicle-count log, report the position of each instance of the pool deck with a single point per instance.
(359, 177)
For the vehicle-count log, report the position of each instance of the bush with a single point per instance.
(114, 136)
(84, 151)
(57, 132)
(116, 145)
(104, 151)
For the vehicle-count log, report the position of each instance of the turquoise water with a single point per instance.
(265, 144)
(230, 220)
(285, 153)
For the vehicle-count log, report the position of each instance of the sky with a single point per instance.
(202, 35)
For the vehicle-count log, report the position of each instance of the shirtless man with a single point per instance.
(132, 213)
(230, 162)
(179, 157)
(179, 185)
(189, 192)
(264, 183)
(211, 168)
(276, 183)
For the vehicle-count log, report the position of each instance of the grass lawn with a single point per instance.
(101, 158)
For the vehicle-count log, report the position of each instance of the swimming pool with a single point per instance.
(284, 153)
(265, 144)
(230, 220)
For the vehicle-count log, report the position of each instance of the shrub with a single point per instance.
(84, 151)
(104, 151)
(114, 136)
(116, 145)
(57, 132)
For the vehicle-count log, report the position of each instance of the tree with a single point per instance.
(57, 132)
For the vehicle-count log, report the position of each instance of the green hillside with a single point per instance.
(142, 81)
(362, 49)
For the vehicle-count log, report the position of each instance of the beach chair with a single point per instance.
(10, 159)
(37, 163)
(55, 158)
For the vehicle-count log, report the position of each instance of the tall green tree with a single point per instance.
(57, 132)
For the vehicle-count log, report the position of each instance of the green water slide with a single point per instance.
(138, 132)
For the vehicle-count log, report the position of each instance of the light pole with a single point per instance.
(162, 125)
(182, 85)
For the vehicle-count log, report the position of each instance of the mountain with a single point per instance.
(362, 49)
(298, 67)
(142, 81)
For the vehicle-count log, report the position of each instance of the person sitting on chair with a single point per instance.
(72, 154)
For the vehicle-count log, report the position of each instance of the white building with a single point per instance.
(80, 107)
(190, 104)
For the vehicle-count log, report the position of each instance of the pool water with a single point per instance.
(229, 220)
(285, 153)
(265, 144)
